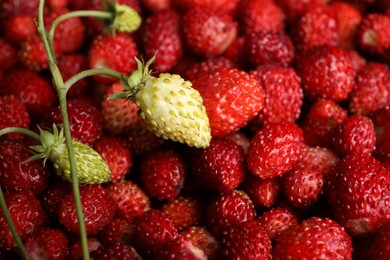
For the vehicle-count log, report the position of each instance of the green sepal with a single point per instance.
(119, 95)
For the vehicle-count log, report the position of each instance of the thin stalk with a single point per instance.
(80, 13)
(59, 85)
(20, 131)
(92, 72)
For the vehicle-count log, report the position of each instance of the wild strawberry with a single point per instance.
(162, 174)
(169, 106)
(246, 240)
(380, 247)
(224, 6)
(373, 34)
(264, 193)
(12, 7)
(115, 155)
(283, 94)
(259, 15)
(32, 89)
(52, 196)
(143, 142)
(69, 65)
(348, 19)
(49, 243)
(326, 72)
(208, 66)
(232, 98)
(13, 113)
(358, 194)
(236, 52)
(358, 62)
(130, 199)
(84, 120)
(113, 251)
(27, 214)
(155, 6)
(8, 55)
(313, 238)
(324, 116)
(208, 32)
(270, 47)
(181, 248)
(321, 158)
(213, 170)
(98, 209)
(152, 231)
(228, 210)
(296, 8)
(114, 52)
(274, 149)
(381, 120)
(184, 212)
(19, 28)
(202, 239)
(18, 176)
(58, 4)
(241, 139)
(355, 135)
(161, 32)
(117, 231)
(372, 89)
(75, 249)
(91, 168)
(277, 220)
(316, 27)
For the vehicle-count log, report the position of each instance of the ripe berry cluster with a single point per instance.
(218, 129)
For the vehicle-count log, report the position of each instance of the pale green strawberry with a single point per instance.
(125, 19)
(91, 169)
(169, 106)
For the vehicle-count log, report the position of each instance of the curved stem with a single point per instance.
(80, 13)
(42, 31)
(20, 131)
(92, 72)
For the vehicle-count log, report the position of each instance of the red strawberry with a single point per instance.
(114, 52)
(52, 197)
(296, 8)
(277, 220)
(161, 32)
(75, 250)
(115, 155)
(84, 120)
(241, 139)
(118, 116)
(98, 209)
(283, 94)
(381, 119)
(117, 231)
(316, 27)
(27, 214)
(321, 122)
(264, 193)
(115, 251)
(16, 176)
(373, 34)
(162, 174)
(372, 89)
(19, 28)
(201, 238)
(259, 15)
(220, 167)
(181, 249)
(358, 62)
(143, 142)
(315, 238)
(47, 243)
(224, 6)
(58, 4)
(8, 55)
(355, 135)
(358, 194)
(207, 31)
(12, 7)
(326, 72)
(152, 231)
(208, 66)
(247, 240)
(380, 247)
(274, 149)
(13, 113)
(69, 65)
(321, 158)
(228, 210)
(232, 98)
(155, 6)
(270, 47)
(236, 52)
(184, 212)
(32, 89)
(131, 200)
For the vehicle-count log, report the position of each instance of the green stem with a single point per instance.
(59, 85)
(20, 131)
(80, 13)
(92, 72)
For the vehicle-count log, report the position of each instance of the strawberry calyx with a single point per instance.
(126, 19)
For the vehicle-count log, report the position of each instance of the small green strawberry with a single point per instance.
(126, 19)
(91, 169)
(169, 106)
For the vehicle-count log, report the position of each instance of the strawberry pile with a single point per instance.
(240, 129)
